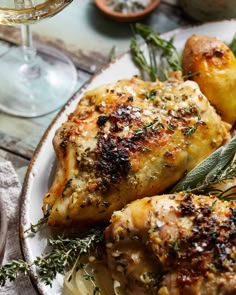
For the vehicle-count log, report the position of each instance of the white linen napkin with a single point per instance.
(10, 189)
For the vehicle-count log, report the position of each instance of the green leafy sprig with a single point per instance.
(35, 227)
(232, 45)
(158, 48)
(65, 252)
(218, 168)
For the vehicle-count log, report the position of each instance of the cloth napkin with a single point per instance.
(10, 189)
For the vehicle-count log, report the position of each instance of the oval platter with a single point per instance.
(41, 168)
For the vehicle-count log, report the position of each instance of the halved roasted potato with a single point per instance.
(210, 63)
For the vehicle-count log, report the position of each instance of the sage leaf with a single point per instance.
(199, 173)
(224, 160)
(210, 170)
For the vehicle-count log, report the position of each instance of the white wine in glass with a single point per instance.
(33, 82)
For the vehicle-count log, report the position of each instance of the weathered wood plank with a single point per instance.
(21, 136)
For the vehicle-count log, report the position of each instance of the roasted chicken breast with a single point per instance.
(179, 244)
(125, 141)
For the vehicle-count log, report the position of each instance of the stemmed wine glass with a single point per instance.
(33, 82)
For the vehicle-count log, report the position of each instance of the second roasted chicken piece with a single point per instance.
(125, 141)
(179, 244)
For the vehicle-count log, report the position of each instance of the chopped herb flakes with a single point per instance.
(188, 131)
(151, 95)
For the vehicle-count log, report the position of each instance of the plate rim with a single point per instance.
(77, 94)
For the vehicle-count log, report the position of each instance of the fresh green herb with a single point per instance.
(151, 95)
(213, 204)
(171, 128)
(141, 61)
(10, 270)
(190, 75)
(65, 252)
(112, 54)
(232, 45)
(155, 125)
(35, 227)
(96, 290)
(188, 131)
(157, 48)
(138, 131)
(219, 167)
(174, 247)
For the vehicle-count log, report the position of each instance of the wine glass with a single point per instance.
(33, 82)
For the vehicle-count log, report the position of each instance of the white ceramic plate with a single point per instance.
(41, 167)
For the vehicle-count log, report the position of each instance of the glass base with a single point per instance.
(49, 87)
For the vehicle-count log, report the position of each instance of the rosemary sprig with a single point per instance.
(64, 253)
(219, 167)
(112, 54)
(157, 47)
(141, 61)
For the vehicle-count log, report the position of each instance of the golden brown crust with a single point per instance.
(175, 244)
(212, 65)
(128, 140)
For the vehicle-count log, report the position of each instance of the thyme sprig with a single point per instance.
(218, 168)
(35, 227)
(158, 48)
(64, 253)
(11, 270)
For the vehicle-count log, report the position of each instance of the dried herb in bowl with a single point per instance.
(128, 6)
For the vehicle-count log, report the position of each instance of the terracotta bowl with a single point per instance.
(3, 229)
(130, 17)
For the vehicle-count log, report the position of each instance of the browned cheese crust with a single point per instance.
(179, 244)
(125, 141)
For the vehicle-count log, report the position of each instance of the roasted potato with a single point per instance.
(210, 63)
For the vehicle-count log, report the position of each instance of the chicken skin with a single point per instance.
(128, 140)
(179, 244)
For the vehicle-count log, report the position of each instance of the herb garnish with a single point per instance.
(151, 95)
(155, 125)
(217, 168)
(157, 48)
(161, 49)
(34, 227)
(65, 252)
(232, 45)
(188, 131)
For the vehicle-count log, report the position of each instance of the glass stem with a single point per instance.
(30, 69)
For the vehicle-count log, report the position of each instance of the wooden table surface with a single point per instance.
(87, 36)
